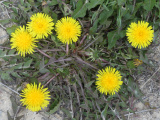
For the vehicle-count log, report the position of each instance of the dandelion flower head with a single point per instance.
(137, 62)
(22, 41)
(140, 35)
(108, 81)
(40, 26)
(35, 97)
(68, 30)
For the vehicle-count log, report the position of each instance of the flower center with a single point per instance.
(68, 30)
(141, 33)
(24, 41)
(35, 97)
(40, 25)
(109, 81)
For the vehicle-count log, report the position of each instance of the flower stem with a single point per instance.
(84, 37)
(67, 49)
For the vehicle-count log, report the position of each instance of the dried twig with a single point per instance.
(83, 62)
(9, 88)
(59, 60)
(43, 53)
(51, 79)
(75, 88)
(53, 50)
(92, 42)
(150, 78)
(113, 110)
(5, 48)
(3, 27)
(80, 84)
(3, 1)
(100, 111)
(148, 110)
(148, 16)
(84, 37)
(70, 95)
(95, 109)
(43, 76)
(134, 3)
(7, 13)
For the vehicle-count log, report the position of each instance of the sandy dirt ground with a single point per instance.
(149, 83)
(10, 108)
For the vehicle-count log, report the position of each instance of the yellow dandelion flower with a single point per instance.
(109, 80)
(35, 97)
(140, 35)
(40, 26)
(22, 41)
(68, 30)
(137, 62)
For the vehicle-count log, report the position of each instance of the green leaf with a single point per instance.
(46, 9)
(3, 22)
(122, 33)
(93, 29)
(130, 64)
(15, 74)
(143, 56)
(55, 40)
(53, 2)
(3, 54)
(104, 112)
(15, 10)
(7, 53)
(11, 29)
(5, 76)
(54, 104)
(31, 1)
(122, 104)
(81, 8)
(27, 64)
(14, 104)
(149, 4)
(156, 33)
(112, 38)
(19, 66)
(22, 2)
(84, 106)
(66, 111)
(54, 16)
(119, 20)
(34, 80)
(44, 70)
(7, 3)
(94, 3)
(26, 74)
(11, 52)
(89, 84)
(121, 2)
(55, 108)
(105, 15)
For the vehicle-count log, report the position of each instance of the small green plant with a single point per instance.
(106, 33)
